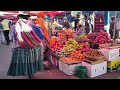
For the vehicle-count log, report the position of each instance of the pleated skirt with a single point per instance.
(26, 62)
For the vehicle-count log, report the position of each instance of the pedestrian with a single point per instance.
(27, 50)
(117, 29)
(76, 19)
(42, 22)
(6, 29)
(1, 33)
(60, 21)
(12, 29)
(70, 18)
(66, 23)
(87, 27)
(111, 28)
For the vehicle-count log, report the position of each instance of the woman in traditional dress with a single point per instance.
(27, 50)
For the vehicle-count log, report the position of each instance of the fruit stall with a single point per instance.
(95, 51)
(71, 52)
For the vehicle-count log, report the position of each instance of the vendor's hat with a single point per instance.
(41, 14)
(24, 13)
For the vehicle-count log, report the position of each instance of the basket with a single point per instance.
(95, 58)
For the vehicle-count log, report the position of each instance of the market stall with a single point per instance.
(85, 50)
(71, 50)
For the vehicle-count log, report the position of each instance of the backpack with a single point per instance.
(27, 34)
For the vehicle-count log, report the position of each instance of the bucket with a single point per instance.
(81, 71)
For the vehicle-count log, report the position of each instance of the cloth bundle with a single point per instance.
(27, 34)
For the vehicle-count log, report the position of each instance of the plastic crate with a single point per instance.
(113, 65)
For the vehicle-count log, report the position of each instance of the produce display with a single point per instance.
(82, 38)
(52, 40)
(68, 60)
(77, 55)
(75, 51)
(101, 37)
(85, 47)
(94, 54)
(70, 45)
(55, 44)
(62, 53)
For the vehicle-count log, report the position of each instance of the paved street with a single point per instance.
(5, 56)
(5, 59)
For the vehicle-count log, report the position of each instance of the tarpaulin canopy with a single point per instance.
(13, 14)
(54, 12)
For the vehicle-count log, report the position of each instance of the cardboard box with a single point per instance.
(68, 69)
(113, 65)
(110, 51)
(96, 69)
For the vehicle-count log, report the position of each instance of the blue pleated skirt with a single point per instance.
(26, 61)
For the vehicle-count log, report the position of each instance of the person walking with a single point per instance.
(87, 27)
(40, 21)
(112, 24)
(1, 33)
(27, 50)
(117, 30)
(6, 29)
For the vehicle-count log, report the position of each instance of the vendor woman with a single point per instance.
(79, 30)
